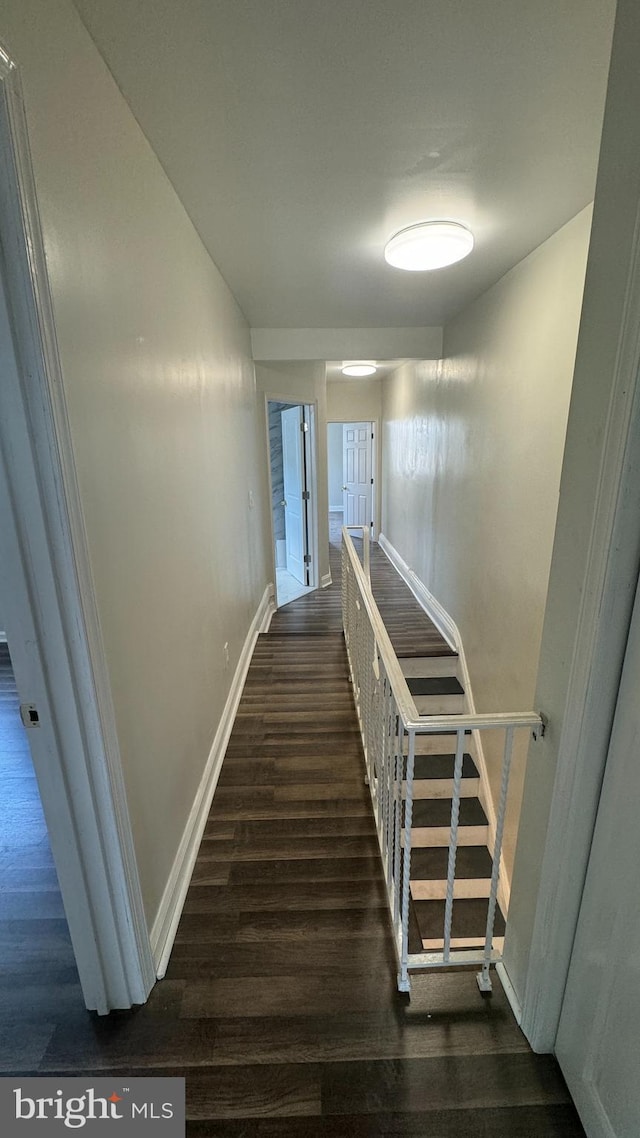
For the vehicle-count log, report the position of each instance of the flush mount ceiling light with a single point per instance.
(359, 368)
(429, 245)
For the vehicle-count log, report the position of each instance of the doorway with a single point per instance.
(350, 466)
(291, 469)
(37, 950)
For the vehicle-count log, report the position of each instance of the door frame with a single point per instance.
(376, 474)
(52, 619)
(607, 361)
(311, 458)
(609, 584)
(604, 936)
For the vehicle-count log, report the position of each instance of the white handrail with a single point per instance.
(404, 699)
(366, 549)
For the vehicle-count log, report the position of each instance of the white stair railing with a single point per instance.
(390, 724)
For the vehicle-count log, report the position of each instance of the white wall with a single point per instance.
(334, 463)
(278, 344)
(160, 388)
(303, 382)
(354, 400)
(472, 452)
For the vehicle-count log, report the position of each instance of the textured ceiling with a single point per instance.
(299, 134)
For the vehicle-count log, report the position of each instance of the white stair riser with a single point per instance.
(440, 835)
(464, 888)
(462, 942)
(439, 704)
(442, 788)
(440, 745)
(429, 666)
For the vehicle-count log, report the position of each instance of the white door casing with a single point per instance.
(294, 487)
(356, 470)
(51, 615)
(593, 572)
(598, 1040)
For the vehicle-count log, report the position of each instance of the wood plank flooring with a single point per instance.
(280, 1004)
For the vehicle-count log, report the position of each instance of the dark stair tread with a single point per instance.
(430, 863)
(437, 812)
(422, 651)
(434, 685)
(415, 940)
(442, 766)
(469, 918)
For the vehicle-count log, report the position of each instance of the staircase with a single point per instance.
(409, 698)
(436, 688)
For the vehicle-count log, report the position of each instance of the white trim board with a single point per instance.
(448, 628)
(165, 925)
(509, 991)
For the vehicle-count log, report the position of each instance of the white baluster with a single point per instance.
(483, 978)
(453, 843)
(397, 800)
(404, 983)
(390, 778)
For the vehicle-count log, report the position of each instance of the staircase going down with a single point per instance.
(432, 669)
(436, 688)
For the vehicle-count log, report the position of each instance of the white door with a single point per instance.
(356, 472)
(598, 1042)
(294, 485)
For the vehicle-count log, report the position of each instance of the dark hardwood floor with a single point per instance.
(280, 1004)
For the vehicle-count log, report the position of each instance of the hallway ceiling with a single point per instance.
(299, 134)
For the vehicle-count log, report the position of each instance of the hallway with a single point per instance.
(280, 1004)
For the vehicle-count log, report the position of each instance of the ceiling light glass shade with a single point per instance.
(359, 369)
(429, 245)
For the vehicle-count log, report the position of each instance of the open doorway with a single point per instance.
(350, 466)
(291, 467)
(37, 950)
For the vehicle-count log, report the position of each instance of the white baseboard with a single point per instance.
(325, 580)
(510, 992)
(448, 628)
(170, 910)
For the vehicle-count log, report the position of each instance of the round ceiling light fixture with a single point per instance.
(429, 245)
(358, 368)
